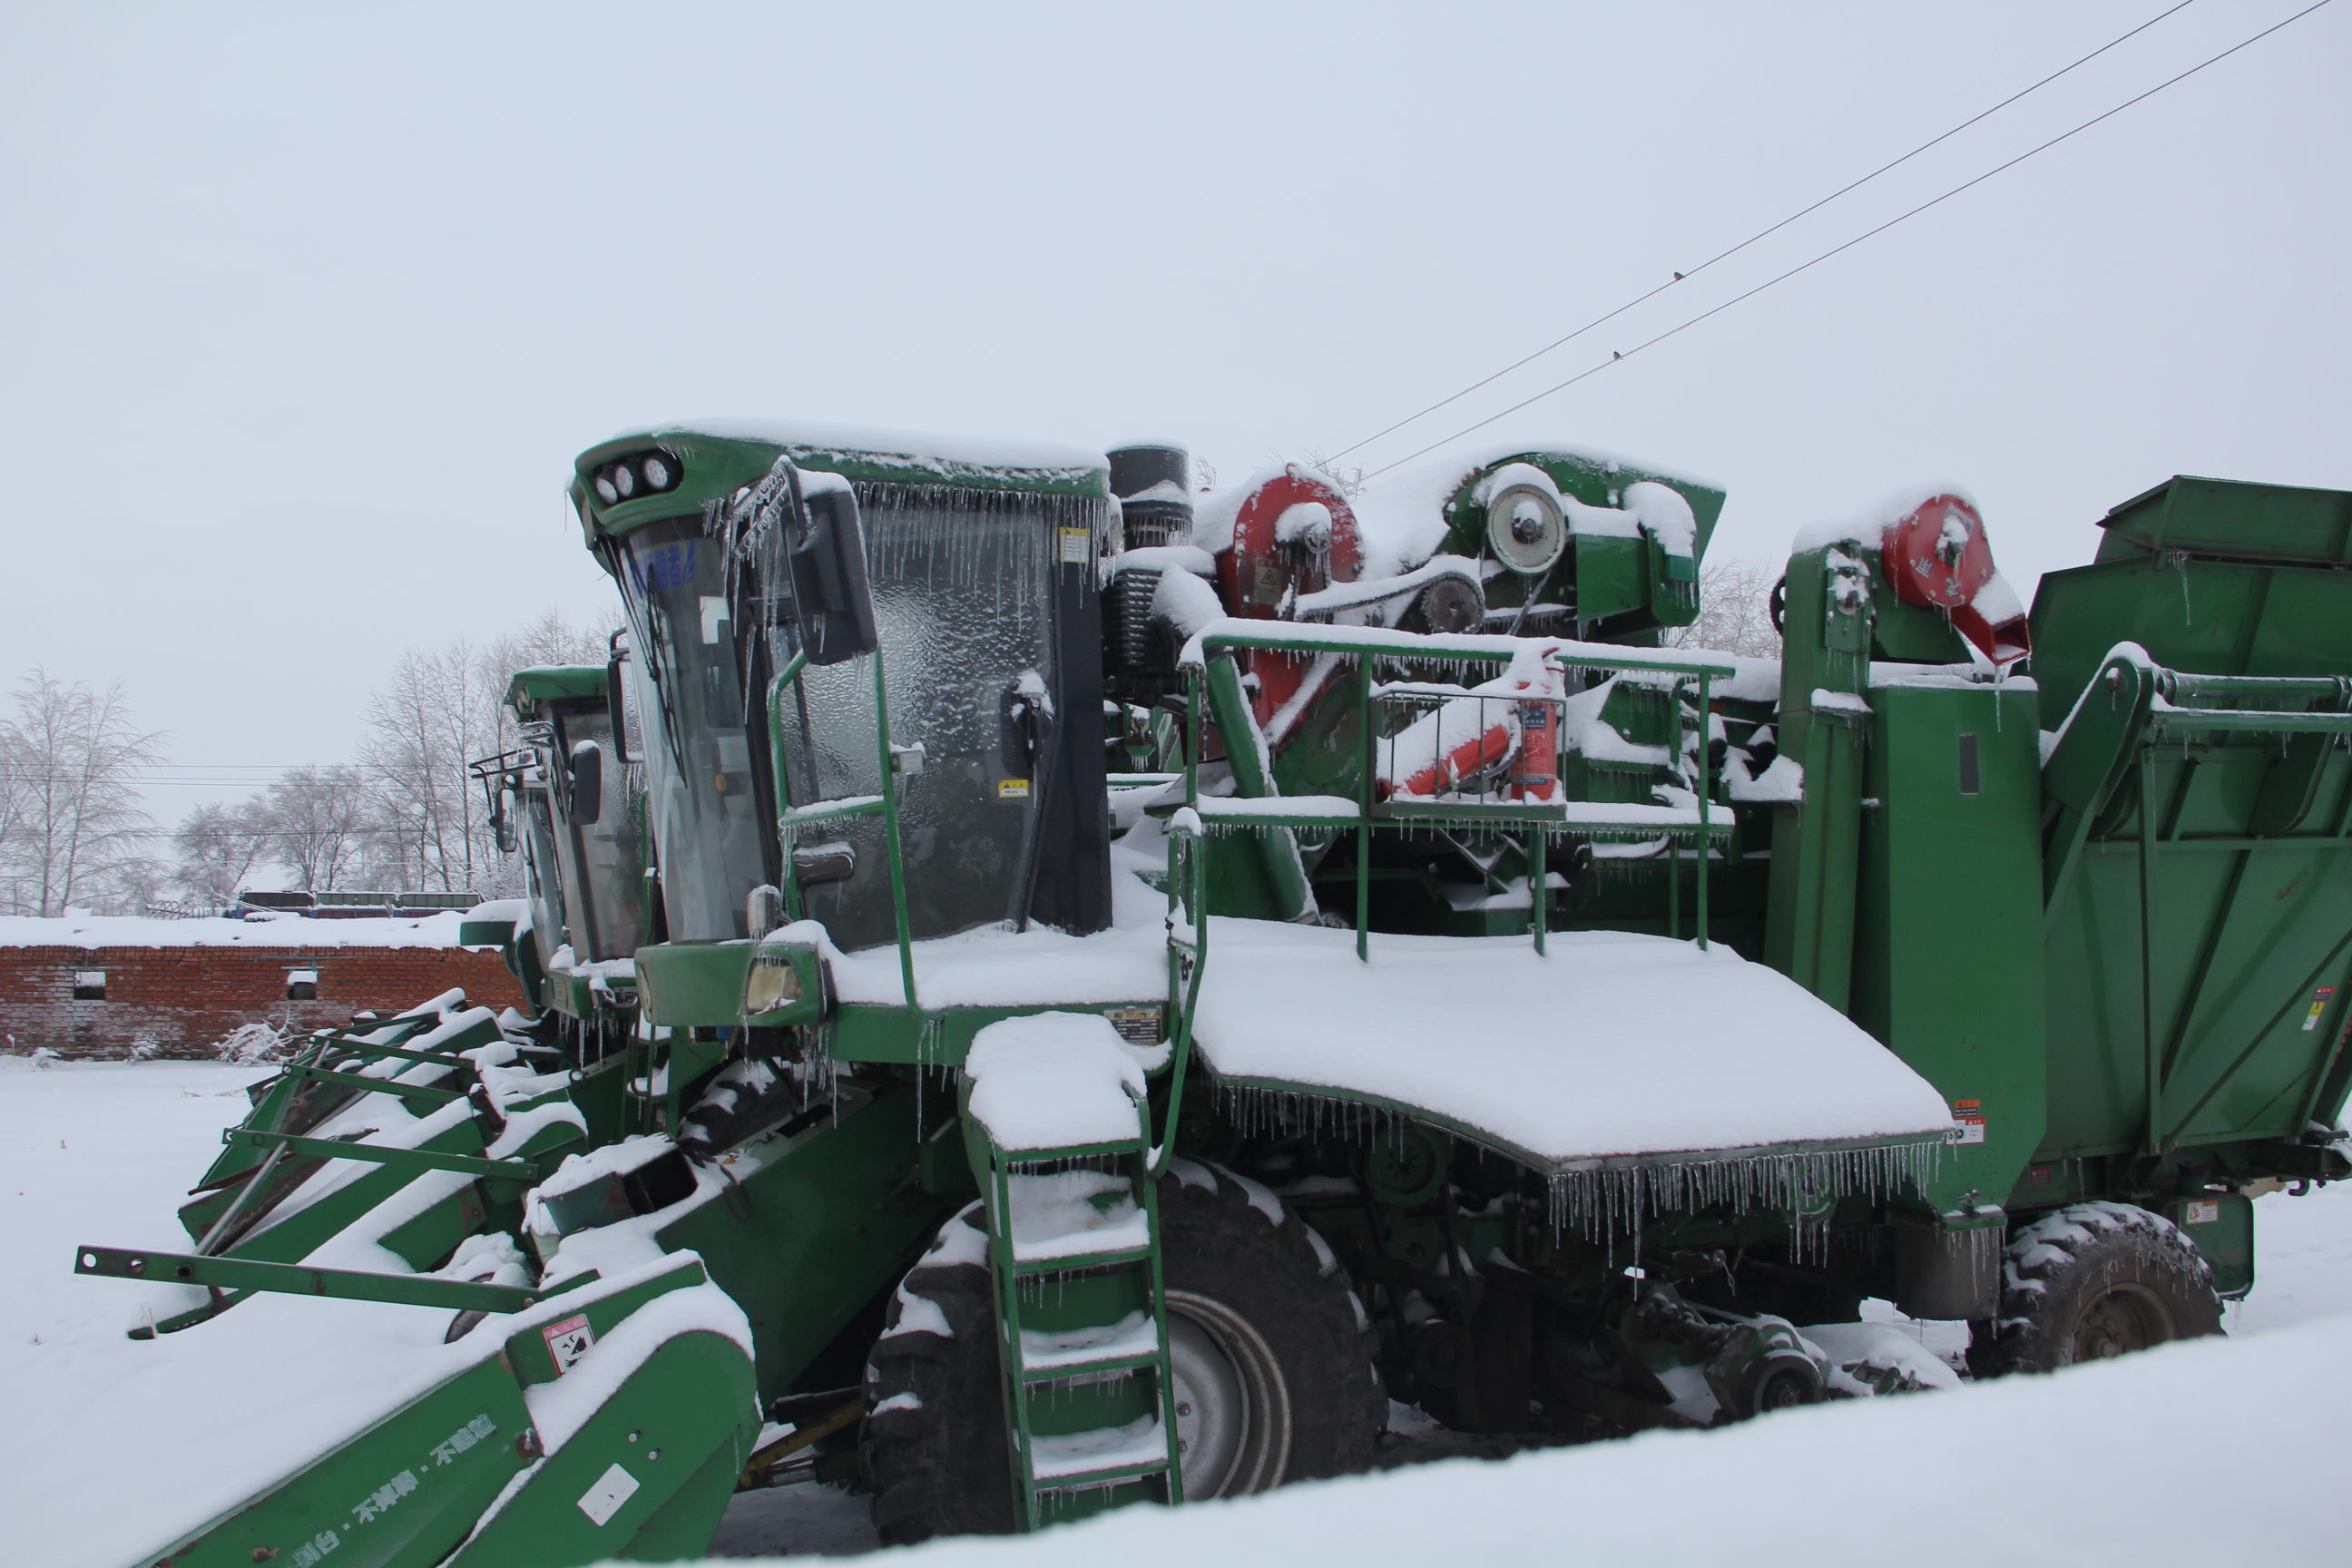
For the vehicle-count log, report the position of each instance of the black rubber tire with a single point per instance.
(942, 1468)
(2094, 1280)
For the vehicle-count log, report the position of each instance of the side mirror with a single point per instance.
(586, 801)
(827, 553)
(616, 700)
(815, 549)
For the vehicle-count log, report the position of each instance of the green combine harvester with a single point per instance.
(1126, 985)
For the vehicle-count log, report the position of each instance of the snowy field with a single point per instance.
(2221, 1451)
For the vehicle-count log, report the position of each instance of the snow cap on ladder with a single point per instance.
(1054, 1080)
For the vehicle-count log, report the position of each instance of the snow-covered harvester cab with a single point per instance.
(866, 656)
(570, 803)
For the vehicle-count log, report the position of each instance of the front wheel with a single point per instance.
(2091, 1281)
(1270, 1351)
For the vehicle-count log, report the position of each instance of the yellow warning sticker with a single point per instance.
(1012, 789)
(2201, 1213)
(1076, 546)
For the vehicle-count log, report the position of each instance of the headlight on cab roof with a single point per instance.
(785, 984)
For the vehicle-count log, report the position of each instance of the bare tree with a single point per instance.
(425, 726)
(219, 845)
(318, 820)
(1734, 610)
(549, 640)
(1349, 477)
(71, 755)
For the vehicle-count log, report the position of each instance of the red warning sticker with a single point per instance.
(568, 1341)
(1969, 1114)
(2319, 1001)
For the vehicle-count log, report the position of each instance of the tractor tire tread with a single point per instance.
(2053, 1267)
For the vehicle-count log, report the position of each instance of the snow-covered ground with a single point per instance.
(2216, 1451)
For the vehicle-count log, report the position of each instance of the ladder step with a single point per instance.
(1072, 1214)
(1105, 1453)
(1132, 1341)
(1070, 1262)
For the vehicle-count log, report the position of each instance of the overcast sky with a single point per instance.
(307, 309)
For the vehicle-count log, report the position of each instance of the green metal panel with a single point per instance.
(548, 682)
(2197, 971)
(2228, 517)
(1275, 849)
(1825, 662)
(690, 1402)
(1948, 951)
(940, 1037)
(327, 1513)
(2222, 1227)
(692, 984)
(833, 1214)
(2202, 616)
(1611, 575)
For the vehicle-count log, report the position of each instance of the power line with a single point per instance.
(1760, 233)
(1803, 266)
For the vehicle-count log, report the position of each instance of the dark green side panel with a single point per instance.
(1947, 945)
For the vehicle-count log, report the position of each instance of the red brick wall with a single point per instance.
(182, 1000)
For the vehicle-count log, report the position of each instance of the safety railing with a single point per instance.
(1495, 794)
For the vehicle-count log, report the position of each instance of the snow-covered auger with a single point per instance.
(1456, 997)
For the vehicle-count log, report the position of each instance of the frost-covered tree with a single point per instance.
(319, 822)
(424, 726)
(549, 640)
(1734, 610)
(218, 845)
(71, 756)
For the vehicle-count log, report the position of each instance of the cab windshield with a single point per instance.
(707, 789)
(603, 874)
(540, 866)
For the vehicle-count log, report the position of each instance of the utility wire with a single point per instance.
(1849, 245)
(1760, 233)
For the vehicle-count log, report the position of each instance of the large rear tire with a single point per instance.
(2091, 1281)
(1271, 1349)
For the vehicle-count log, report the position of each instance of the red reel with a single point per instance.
(1938, 555)
(1279, 552)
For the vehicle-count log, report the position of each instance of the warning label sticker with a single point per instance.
(1136, 1025)
(2202, 1212)
(1969, 1114)
(1077, 545)
(1012, 789)
(2319, 1001)
(567, 1341)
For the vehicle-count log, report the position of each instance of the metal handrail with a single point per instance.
(1367, 644)
(791, 819)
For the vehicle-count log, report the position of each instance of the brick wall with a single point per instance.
(182, 1000)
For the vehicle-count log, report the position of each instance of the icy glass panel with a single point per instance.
(963, 597)
(539, 862)
(608, 890)
(700, 789)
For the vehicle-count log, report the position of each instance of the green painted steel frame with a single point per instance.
(1367, 645)
(299, 1279)
(792, 818)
